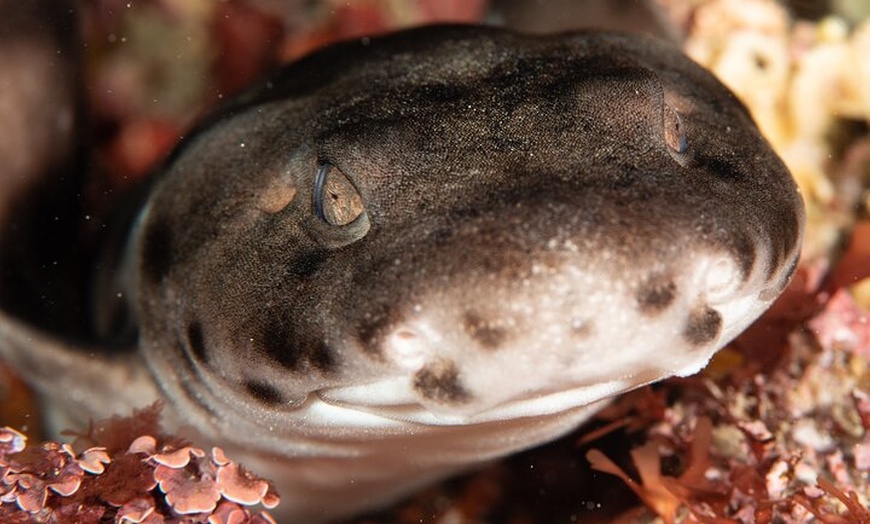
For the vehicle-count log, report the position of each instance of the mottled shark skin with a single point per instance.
(403, 256)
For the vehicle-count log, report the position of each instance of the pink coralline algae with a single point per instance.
(126, 472)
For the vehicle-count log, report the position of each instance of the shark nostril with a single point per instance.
(408, 347)
(406, 335)
(722, 277)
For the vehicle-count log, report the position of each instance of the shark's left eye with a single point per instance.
(675, 131)
(336, 200)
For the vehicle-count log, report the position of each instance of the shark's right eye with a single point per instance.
(336, 201)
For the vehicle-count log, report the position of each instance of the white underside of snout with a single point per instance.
(571, 335)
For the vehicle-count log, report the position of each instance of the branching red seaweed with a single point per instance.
(785, 445)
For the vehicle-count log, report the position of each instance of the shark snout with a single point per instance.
(563, 322)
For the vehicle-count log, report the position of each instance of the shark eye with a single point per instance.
(675, 131)
(336, 200)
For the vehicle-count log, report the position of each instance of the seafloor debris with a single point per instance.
(124, 470)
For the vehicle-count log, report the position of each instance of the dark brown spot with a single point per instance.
(704, 325)
(157, 251)
(372, 328)
(278, 343)
(483, 331)
(322, 358)
(582, 329)
(786, 277)
(743, 249)
(263, 392)
(190, 388)
(772, 292)
(721, 168)
(439, 381)
(294, 350)
(783, 235)
(439, 93)
(196, 341)
(655, 295)
(306, 264)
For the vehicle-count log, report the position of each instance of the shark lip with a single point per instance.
(391, 399)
